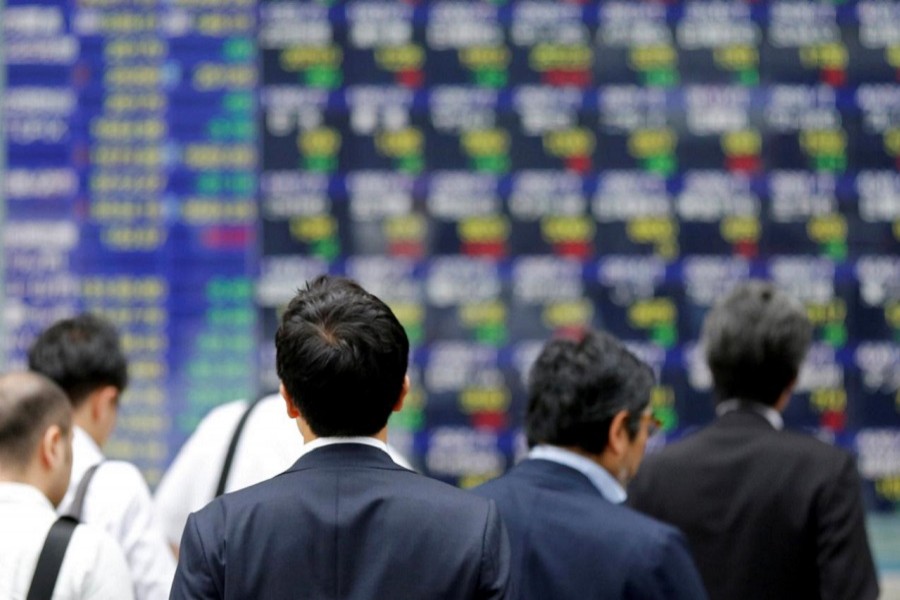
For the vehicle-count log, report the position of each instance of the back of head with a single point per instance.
(29, 405)
(80, 354)
(342, 356)
(576, 387)
(756, 339)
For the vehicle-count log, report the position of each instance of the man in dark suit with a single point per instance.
(587, 423)
(345, 521)
(768, 513)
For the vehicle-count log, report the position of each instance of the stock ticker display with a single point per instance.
(496, 171)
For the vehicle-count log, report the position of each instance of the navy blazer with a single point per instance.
(345, 522)
(768, 514)
(569, 542)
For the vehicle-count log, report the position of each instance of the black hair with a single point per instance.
(576, 387)
(80, 354)
(342, 356)
(29, 404)
(755, 341)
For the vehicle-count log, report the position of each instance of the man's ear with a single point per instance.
(289, 402)
(52, 448)
(102, 401)
(618, 434)
(403, 392)
(782, 403)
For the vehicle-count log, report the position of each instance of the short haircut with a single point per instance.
(755, 341)
(576, 387)
(342, 356)
(80, 354)
(29, 404)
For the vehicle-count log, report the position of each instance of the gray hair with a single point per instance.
(756, 339)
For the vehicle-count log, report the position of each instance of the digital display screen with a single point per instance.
(497, 171)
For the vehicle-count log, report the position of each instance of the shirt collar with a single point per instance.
(321, 442)
(87, 448)
(767, 412)
(12, 492)
(605, 483)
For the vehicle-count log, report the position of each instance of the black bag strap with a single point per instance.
(50, 560)
(78, 501)
(232, 447)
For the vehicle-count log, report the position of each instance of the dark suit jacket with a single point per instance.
(569, 542)
(344, 522)
(768, 514)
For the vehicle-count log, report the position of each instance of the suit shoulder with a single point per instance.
(811, 450)
(490, 488)
(438, 491)
(803, 442)
(405, 483)
(675, 453)
(652, 530)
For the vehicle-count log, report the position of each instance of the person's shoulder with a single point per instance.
(222, 417)
(642, 531)
(676, 452)
(272, 406)
(502, 486)
(489, 489)
(414, 491)
(121, 474)
(801, 441)
(415, 487)
(638, 522)
(809, 450)
(94, 545)
(98, 564)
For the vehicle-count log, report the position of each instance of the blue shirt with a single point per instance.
(605, 483)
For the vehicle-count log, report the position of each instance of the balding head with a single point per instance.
(29, 405)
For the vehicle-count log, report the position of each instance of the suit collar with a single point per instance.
(745, 417)
(767, 412)
(321, 442)
(345, 455)
(605, 483)
(553, 475)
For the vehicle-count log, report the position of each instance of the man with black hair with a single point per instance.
(587, 422)
(35, 464)
(344, 521)
(768, 513)
(84, 357)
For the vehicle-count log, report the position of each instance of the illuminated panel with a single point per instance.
(131, 181)
(503, 172)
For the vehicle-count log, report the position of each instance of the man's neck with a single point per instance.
(309, 435)
(26, 477)
(84, 421)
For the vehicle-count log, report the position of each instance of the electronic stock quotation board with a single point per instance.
(497, 171)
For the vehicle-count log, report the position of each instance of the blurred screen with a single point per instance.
(498, 172)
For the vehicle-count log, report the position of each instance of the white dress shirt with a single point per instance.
(333, 441)
(269, 444)
(118, 501)
(767, 412)
(605, 483)
(93, 568)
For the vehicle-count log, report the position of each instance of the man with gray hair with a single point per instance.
(768, 513)
(35, 465)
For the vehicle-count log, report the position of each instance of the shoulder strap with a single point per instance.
(51, 558)
(78, 501)
(232, 447)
